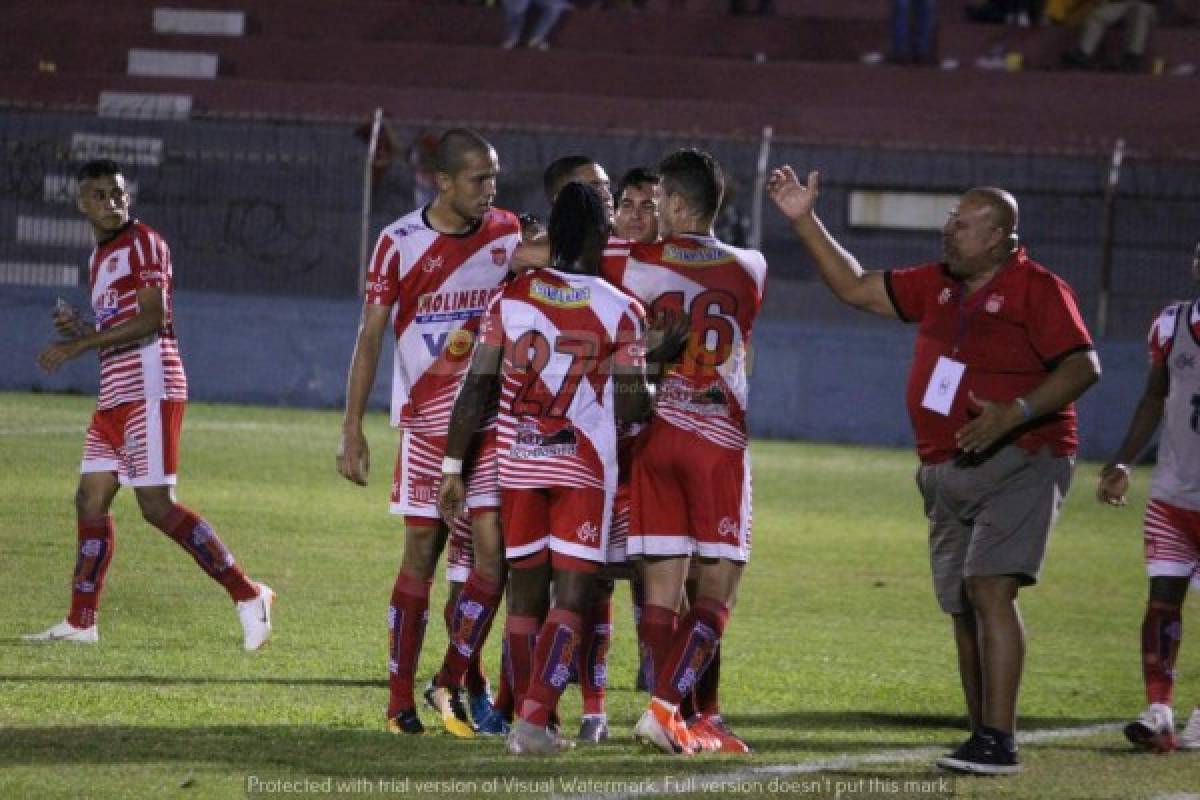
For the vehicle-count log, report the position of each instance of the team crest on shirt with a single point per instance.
(459, 343)
(499, 256)
(994, 303)
(560, 296)
(433, 263)
(1185, 361)
(111, 264)
(945, 296)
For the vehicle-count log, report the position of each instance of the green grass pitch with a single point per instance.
(836, 648)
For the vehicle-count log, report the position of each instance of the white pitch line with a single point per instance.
(707, 783)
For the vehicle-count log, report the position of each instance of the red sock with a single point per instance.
(468, 624)
(202, 543)
(655, 632)
(407, 617)
(706, 693)
(96, 540)
(593, 654)
(521, 635)
(694, 646)
(557, 645)
(1162, 631)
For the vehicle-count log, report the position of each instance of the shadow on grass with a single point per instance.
(850, 720)
(177, 680)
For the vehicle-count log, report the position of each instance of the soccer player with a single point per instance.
(430, 278)
(564, 350)
(690, 487)
(1001, 356)
(133, 438)
(1172, 520)
(636, 216)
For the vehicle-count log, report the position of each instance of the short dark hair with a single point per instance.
(638, 176)
(556, 174)
(98, 168)
(697, 177)
(453, 146)
(578, 222)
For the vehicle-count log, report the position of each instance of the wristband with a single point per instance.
(451, 466)
(1026, 411)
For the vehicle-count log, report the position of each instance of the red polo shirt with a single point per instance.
(1009, 333)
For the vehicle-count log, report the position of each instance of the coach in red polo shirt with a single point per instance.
(1001, 355)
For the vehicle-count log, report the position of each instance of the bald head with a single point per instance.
(1002, 204)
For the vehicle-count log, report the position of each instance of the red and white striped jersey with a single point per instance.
(563, 337)
(721, 286)
(438, 285)
(149, 369)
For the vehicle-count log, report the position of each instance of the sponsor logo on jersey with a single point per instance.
(711, 401)
(454, 345)
(994, 303)
(111, 264)
(560, 296)
(694, 256)
(450, 306)
(944, 296)
(1185, 361)
(532, 443)
(106, 306)
(499, 256)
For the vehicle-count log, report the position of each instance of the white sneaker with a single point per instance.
(1190, 739)
(65, 632)
(256, 618)
(1154, 728)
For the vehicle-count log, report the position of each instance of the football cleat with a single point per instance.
(65, 632)
(1190, 739)
(255, 616)
(1154, 729)
(528, 739)
(492, 725)
(448, 703)
(480, 705)
(712, 728)
(593, 729)
(658, 728)
(405, 721)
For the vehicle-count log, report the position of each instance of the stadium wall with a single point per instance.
(827, 383)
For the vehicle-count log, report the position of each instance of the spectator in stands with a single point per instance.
(912, 31)
(1023, 13)
(1139, 17)
(516, 13)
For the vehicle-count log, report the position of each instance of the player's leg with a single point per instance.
(596, 639)
(1171, 538)
(525, 527)
(95, 533)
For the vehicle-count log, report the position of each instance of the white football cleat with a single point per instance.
(1190, 738)
(256, 618)
(1153, 729)
(65, 632)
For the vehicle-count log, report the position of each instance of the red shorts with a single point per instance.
(570, 522)
(1172, 538)
(688, 497)
(138, 441)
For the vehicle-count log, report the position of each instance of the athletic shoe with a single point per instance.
(255, 615)
(1154, 729)
(982, 754)
(405, 721)
(714, 728)
(480, 705)
(658, 728)
(528, 739)
(1190, 740)
(593, 729)
(686, 739)
(65, 632)
(492, 725)
(448, 703)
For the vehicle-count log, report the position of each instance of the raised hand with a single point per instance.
(793, 198)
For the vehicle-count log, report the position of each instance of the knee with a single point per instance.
(155, 510)
(991, 592)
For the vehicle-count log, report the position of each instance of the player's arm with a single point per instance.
(530, 255)
(839, 269)
(1114, 476)
(1065, 383)
(480, 386)
(354, 455)
(146, 322)
(637, 377)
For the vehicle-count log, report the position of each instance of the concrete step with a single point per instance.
(172, 64)
(144, 105)
(194, 22)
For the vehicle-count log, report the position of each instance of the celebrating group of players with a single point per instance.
(581, 391)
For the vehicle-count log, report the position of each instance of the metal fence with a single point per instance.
(275, 208)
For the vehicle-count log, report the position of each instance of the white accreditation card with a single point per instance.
(943, 385)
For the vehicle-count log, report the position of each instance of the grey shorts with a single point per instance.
(991, 519)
